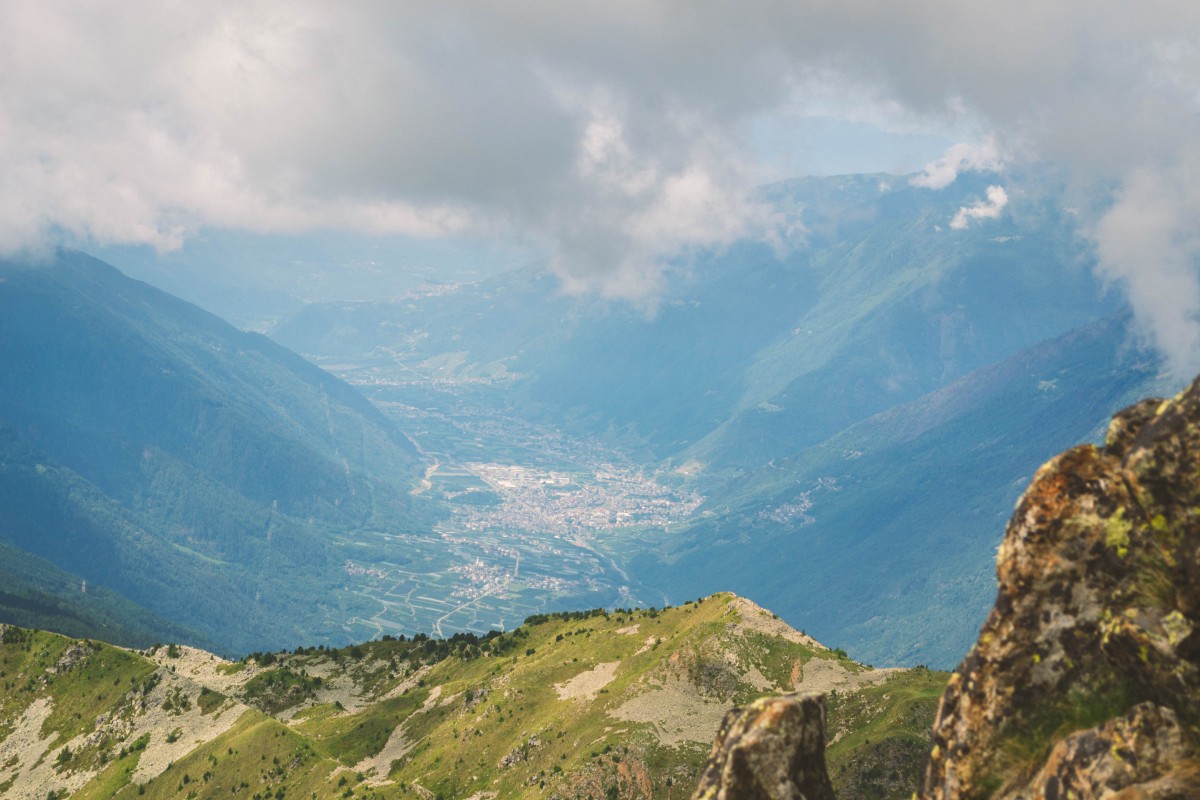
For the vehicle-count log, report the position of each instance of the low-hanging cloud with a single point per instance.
(962, 157)
(1148, 240)
(612, 134)
(142, 122)
(990, 208)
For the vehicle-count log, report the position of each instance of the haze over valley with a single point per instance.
(501, 311)
(837, 432)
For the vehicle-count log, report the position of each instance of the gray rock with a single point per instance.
(774, 749)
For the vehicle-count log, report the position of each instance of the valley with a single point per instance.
(599, 401)
(545, 524)
(836, 431)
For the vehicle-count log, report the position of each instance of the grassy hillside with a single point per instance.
(585, 704)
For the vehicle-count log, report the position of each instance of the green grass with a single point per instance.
(258, 755)
(1026, 740)
(351, 738)
(115, 777)
(99, 681)
(885, 732)
(102, 680)
(209, 700)
(275, 690)
(495, 698)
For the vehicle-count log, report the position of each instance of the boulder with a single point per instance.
(774, 749)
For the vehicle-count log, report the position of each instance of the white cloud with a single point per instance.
(142, 122)
(1148, 241)
(961, 157)
(614, 134)
(997, 199)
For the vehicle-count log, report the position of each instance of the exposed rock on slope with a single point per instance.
(1085, 681)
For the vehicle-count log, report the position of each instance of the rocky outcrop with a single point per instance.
(1085, 681)
(774, 749)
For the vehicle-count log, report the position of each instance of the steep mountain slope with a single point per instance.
(202, 472)
(887, 529)
(36, 594)
(588, 704)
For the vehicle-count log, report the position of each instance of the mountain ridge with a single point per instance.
(623, 701)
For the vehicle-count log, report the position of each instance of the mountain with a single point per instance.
(36, 594)
(753, 352)
(585, 704)
(885, 533)
(835, 403)
(1083, 683)
(208, 475)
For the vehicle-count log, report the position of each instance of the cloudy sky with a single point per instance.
(608, 135)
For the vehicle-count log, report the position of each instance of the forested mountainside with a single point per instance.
(205, 474)
(37, 594)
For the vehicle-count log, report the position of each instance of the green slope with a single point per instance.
(586, 704)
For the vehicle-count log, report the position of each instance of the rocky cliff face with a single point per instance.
(1085, 680)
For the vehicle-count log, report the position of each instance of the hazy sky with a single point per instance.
(609, 135)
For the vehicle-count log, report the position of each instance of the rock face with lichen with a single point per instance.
(1085, 681)
(774, 749)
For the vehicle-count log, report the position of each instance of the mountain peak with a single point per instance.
(752, 616)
